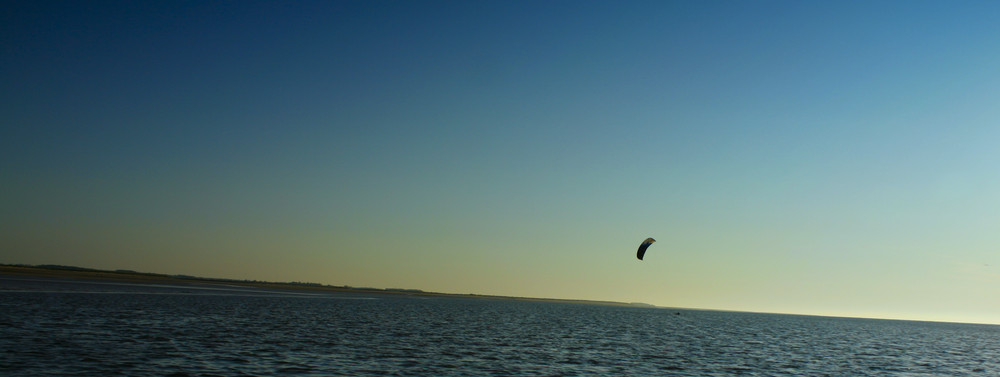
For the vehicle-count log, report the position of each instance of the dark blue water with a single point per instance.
(50, 328)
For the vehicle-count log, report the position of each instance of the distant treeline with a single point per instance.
(197, 278)
(132, 272)
(60, 267)
(82, 272)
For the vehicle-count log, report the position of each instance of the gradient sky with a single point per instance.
(818, 157)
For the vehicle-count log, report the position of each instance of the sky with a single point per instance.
(830, 158)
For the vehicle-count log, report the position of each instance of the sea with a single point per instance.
(63, 327)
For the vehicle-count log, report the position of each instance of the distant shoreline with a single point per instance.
(125, 276)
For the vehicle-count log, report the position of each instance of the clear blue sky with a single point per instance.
(833, 158)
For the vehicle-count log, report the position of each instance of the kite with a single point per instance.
(642, 248)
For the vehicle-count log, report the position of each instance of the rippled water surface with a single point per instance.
(50, 327)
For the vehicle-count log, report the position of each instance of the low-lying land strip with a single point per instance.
(125, 276)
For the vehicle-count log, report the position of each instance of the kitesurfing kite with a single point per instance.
(642, 248)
